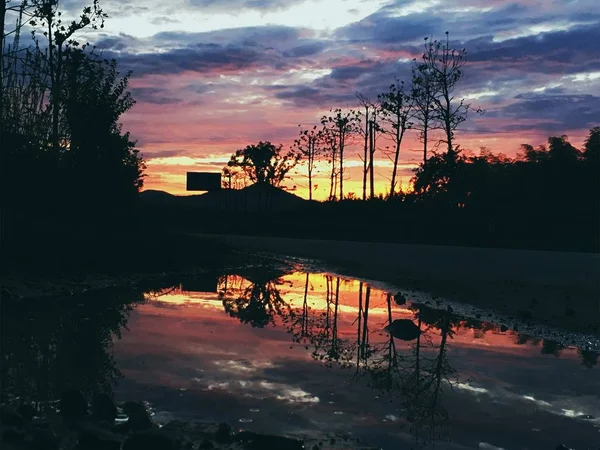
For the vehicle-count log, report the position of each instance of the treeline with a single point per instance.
(426, 105)
(67, 166)
(547, 197)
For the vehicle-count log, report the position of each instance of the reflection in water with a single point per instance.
(413, 376)
(50, 345)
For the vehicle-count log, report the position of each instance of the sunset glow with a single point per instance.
(212, 77)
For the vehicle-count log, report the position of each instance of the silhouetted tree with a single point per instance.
(309, 146)
(60, 37)
(264, 163)
(423, 93)
(94, 98)
(339, 125)
(445, 67)
(363, 127)
(396, 111)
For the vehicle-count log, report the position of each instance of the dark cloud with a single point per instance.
(152, 95)
(306, 49)
(555, 112)
(575, 50)
(379, 28)
(201, 58)
(225, 51)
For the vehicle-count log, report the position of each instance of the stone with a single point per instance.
(503, 329)
(138, 416)
(404, 329)
(399, 298)
(103, 408)
(73, 405)
(148, 440)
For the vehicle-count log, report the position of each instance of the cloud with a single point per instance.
(555, 112)
(237, 5)
(153, 95)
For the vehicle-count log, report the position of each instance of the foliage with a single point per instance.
(66, 160)
(264, 163)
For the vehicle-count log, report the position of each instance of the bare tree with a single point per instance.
(309, 146)
(397, 109)
(363, 128)
(340, 125)
(444, 67)
(374, 129)
(423, 93)
(330, 149)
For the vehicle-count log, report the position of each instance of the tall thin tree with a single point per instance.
(396, 112)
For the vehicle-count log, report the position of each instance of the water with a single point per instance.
(304, 353)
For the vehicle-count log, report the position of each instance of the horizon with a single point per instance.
(212, 77)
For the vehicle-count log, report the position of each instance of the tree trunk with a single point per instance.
(311, 149)
(396, 156)
(342, 138)
(365, 155)
(425, 132)
(2, 158)
(365, 333)
(371, 152)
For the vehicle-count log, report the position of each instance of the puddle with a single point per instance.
(302, 353)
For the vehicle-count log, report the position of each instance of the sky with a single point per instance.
(212, 76)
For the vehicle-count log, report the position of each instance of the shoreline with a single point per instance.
(556, 289)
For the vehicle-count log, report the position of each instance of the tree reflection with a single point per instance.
(328, 347)
(255, 304)
(53, 344)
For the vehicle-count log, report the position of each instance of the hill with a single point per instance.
(256, 197)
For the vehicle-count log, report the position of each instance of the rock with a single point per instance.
(148, 440)
(399, 298)
(255, 441)
(27, 412)
(503, 328)
(73, 405)
(223, 434)
(103, 408)
(563, 447)
(450, 309)
(403, 329)
(138, 416)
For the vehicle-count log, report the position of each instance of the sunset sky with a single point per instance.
(211, 76)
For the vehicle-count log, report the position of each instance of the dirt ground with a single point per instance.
(551, 288)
